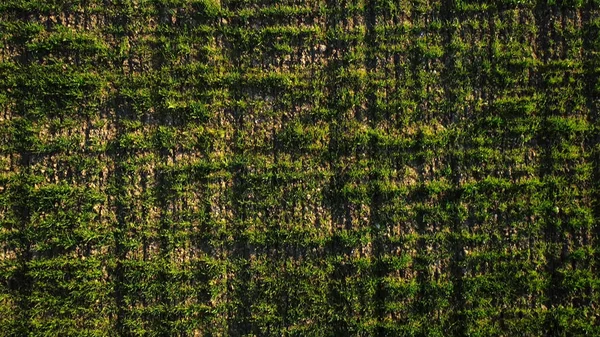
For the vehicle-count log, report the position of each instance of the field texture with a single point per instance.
(299, 168)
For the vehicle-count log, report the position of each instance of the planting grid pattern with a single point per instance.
(299, 168)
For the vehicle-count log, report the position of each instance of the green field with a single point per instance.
(299, 168)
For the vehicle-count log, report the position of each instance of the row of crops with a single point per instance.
(299, 168)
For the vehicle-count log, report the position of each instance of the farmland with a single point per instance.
(299, 168)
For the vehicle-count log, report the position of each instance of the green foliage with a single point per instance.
(265, 168)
